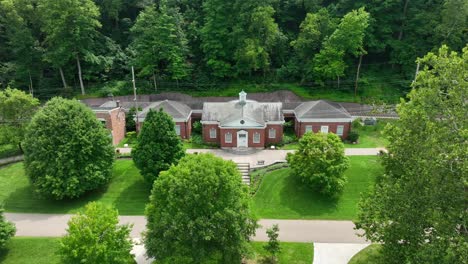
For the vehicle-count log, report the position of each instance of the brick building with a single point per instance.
(113, 118)
(241, 123)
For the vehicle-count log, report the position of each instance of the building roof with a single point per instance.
(235, 114)
(179, 111)
(321, 110)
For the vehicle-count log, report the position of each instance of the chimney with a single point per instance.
(117, 103)
(242, 98)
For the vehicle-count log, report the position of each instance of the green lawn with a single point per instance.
(295, 253)
(371, 136)
(282, 196)
(28, 250)
(369, 255)
(128, 192)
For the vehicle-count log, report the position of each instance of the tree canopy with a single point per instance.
(67, 151)
(320, 162)
(7, 230)
(158, 146)
(417, 209)
(95, 236)
(199, 212)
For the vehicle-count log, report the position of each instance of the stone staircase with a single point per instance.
(244, 169)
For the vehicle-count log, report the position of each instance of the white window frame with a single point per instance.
(256, 137)
(212, 132)
(308, 128)
(338, 128)
(177, 129)
(324, 129)
(272, 133)
(228, 139)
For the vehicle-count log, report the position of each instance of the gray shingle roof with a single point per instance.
(175, 109)
(320, 109)
(227, 112)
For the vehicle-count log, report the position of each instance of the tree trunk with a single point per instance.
(357, 76)
(20, 147)
(338, 79)
(154, 81)
(405, 8)
(31, 91)
(79, 74)
(63, 78)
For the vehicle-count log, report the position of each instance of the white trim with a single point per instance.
(241, 127)
(275, 122)
(209, 122)
(324, 129)
(311, 128)
(328, 120)
(242, 132)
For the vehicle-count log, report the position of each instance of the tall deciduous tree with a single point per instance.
(199, 213)
(346, 39)
(320, 162)
(158, 145)
(67, 151)
(70, 28)
(160, 43)
(313, 30)
(94, 236)
(216, 37)
(417, 209)
(16, 110)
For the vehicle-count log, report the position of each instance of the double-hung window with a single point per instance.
(256, 137)
(228, 137)
(272, 133)
(308, 128)
(177, 129)
(324, 129)
(213, 132)
(339, 130)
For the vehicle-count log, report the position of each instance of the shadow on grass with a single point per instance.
(306, 202)
(27, 200)
(133, 199)
(3, 254)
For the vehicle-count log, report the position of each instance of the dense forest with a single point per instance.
(79, 46)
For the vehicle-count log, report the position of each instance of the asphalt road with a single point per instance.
(290, 230)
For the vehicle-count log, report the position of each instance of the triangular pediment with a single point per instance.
(241, 122)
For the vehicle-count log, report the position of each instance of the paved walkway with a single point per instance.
(269, 156)
(335, 241)
(326, 253)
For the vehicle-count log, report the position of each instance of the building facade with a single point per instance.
(113, 118)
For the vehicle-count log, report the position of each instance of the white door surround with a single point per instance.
(242, 139)
(324, 129)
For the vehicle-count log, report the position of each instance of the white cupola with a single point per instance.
(242, 97)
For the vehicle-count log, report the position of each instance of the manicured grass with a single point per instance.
(369, 255)
(127, 192)
(371, 136)
(282, 196)
(296, 253)
(27, 250)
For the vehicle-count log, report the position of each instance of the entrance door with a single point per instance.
(324, 129)
(242, 139)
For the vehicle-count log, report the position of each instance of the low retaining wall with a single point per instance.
(9, 160)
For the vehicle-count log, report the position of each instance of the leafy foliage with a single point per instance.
(16, 110)
(199, 213)
(67, 150)
(417, 210)
(273, 247)
(7, 230)
(94, 236)
(158, 146)
(320, 162)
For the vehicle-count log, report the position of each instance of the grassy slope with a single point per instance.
(371, 136)
(127, 192)
(27, 250)
(369, 255)
(296, 253)
(282, 196)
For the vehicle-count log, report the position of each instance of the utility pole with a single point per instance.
(135, 100)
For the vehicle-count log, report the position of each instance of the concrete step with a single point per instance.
(244, 169)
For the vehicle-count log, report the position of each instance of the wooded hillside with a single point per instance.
(76, 46)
